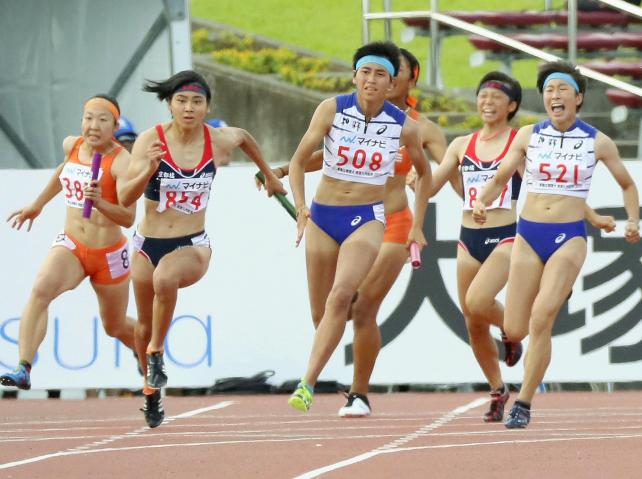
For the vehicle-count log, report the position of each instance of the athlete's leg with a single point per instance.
(321, 253)
(113, 299)
(477, 323)
(373, 290)
(142, 279)
(524, 276)
(356, 256)
(560, 272)
(178, 269)
(61, 271)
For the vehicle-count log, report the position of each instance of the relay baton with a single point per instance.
(95, 168)
(415, 257)
(289, 207)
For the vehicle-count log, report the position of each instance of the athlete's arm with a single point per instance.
(607, 152)
(119, 214)
(145, 158)
(448, 165)
(435, 142)
(602, 222)
(511, 162)
(51, 189)
(319, 126)
(411, 140)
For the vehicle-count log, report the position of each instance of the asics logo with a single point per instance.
(491, 240)
(561, 237)
(355, 221)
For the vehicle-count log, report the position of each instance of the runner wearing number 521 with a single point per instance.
(91, 247)
(173, 165)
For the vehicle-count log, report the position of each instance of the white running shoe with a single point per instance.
(357, 406)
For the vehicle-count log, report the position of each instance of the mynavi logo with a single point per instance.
(491, 240)
(355, 221)
(560, 237)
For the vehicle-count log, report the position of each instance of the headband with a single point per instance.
(562, 76)
(194, 87)
(498, 85)
(99, 102)
(384, 62)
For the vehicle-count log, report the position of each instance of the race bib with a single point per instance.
(474, 182)
(187, 195)
(73, 178)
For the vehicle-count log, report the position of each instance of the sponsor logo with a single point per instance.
(491, 240)
(355, 221)
(560, 237)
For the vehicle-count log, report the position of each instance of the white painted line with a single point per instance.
(81, 450)
(393, 446)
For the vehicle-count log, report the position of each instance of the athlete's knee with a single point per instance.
(478, 304)
(116, 329)
(476, 326)
(514, 332)
(364, 311)
(165, 285)
(340, 298)
(41, 294)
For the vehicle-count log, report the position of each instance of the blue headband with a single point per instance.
(384, 62)
(562, 76)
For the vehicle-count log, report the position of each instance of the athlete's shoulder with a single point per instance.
(69, 142)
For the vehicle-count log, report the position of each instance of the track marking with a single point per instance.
(393, 446)
(84, 449)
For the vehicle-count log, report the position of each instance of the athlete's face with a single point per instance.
(404, 82)
(373, 82)
(561, 101)
(494, 105)
(188, 108)
(98, 125)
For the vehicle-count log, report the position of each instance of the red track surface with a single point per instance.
(580, 435)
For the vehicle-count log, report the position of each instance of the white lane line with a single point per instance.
(82, 450)
(393, 446)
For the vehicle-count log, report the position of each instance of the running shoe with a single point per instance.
(19, 378)
(153, 409)
(156, 374)
(301, 398)
(498, 399)
(512, 351)
(357, 406)
(518, 417)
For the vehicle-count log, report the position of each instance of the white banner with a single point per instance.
(250, 312)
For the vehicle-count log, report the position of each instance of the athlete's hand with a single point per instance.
(154, 155)
(602, 222)
(415, 234)
(302, 215)
(479, 212)
(274, 185)
(277, 172)
(93, 192)
(411, 179)
(18, 217)
(632, 232)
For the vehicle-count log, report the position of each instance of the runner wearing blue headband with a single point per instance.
(362, 133)
(559, 155)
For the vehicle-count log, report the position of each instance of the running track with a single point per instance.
(579, 435)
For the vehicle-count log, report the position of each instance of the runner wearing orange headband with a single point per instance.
(94, 247)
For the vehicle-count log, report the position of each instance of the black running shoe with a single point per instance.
(156, 375)
(153, 409)
(518, 417)
(498, 399)
(512, 351)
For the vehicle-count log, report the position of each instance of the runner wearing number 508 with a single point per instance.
(362, 133)
(174, 164)
(91, 247)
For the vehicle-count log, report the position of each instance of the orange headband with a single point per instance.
(103, 103)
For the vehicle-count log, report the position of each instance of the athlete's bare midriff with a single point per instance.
(96, 232)
(494, 218)
(336, 192)
(549, 208)
(169, 223)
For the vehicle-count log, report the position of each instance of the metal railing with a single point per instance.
(437, 18)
